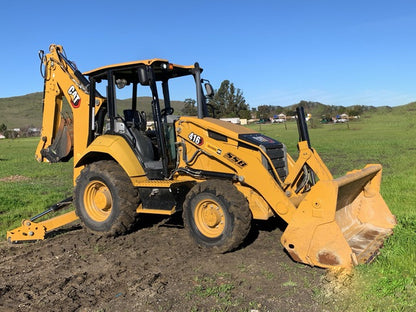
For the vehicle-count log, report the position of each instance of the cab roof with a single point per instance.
(162, 69)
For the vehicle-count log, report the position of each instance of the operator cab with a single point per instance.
(150, 134)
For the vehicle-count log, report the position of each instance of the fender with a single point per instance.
(117, 148)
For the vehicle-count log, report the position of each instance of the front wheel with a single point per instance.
(105, 199)
(217, 215)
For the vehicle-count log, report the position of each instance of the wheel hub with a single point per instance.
(98, 201)
(211, 215)
(102, 198)
(209, 218)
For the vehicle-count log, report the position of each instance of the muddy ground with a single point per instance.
(156, 268)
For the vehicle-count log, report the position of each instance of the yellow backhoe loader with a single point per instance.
(220, 175)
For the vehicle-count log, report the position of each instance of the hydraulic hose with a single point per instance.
(42, 57)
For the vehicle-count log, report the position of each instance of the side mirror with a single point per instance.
(143, 76)
(209, 90)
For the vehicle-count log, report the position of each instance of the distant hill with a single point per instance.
(26, 110)
(21, 111)
(319, 110)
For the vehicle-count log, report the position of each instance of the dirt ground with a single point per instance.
(155, 268)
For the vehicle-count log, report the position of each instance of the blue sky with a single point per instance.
(276, 52)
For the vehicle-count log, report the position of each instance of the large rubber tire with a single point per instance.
(217, 215)
(105, 199)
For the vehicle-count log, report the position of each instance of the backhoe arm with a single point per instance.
(63, 135)
(62, 79)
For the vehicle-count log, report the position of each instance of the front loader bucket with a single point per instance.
(342, 222)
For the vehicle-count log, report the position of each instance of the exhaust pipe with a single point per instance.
(302, 127)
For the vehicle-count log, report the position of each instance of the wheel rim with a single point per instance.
(209, 218)
(98, 201)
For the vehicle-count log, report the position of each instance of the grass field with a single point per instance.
(26, 186)
(386, 137)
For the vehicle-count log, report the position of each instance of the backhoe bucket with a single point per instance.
(62, 147)
(340, 223)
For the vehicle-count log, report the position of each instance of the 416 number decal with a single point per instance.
(195, 138)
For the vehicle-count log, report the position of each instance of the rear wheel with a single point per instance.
(105, 199)
(217, 215)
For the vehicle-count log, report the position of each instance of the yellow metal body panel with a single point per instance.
(144, 62)
(156, 211)
(117, 148)
(157, 183)
(253, 173)
(260, 209)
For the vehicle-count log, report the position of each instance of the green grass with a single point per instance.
(26, 186)
(215, 290)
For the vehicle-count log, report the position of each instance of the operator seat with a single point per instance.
(144, 146)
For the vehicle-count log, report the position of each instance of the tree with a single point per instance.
(356, 110)
(230, 102)
(263, 111)
(189, 108)
(244, 114)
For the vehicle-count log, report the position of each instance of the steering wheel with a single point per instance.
(167, 111)
(141, 122)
